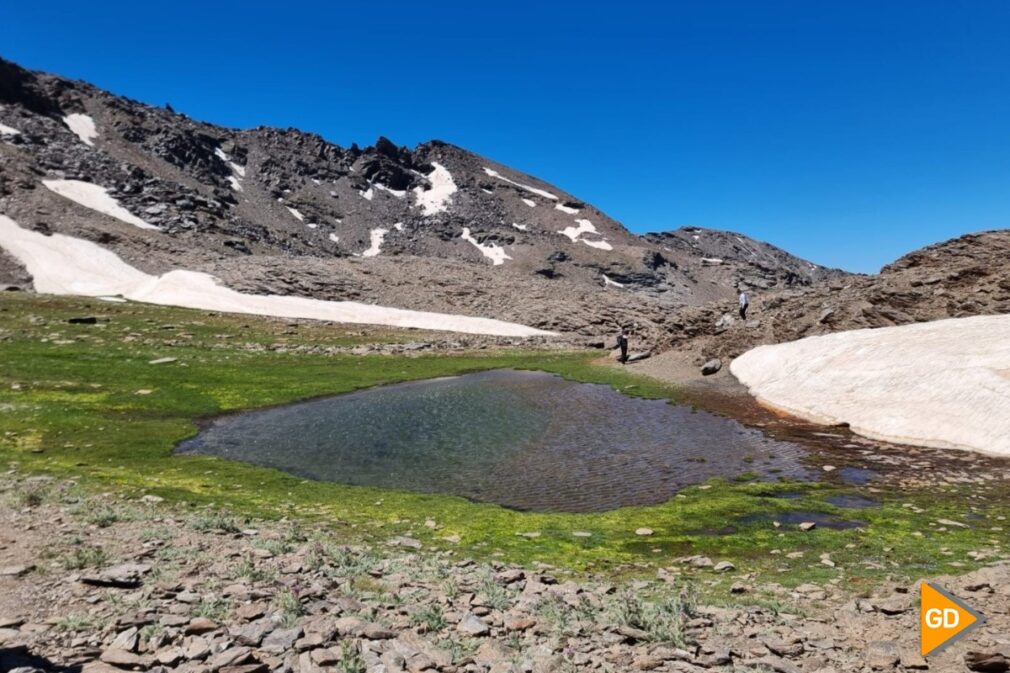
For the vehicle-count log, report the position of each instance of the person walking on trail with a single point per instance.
(622, 343)
(744, 303)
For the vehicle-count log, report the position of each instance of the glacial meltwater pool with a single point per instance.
(526, 440)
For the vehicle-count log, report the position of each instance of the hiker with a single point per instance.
(744, 303)
(622, 343)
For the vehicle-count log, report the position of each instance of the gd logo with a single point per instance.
(943, 619)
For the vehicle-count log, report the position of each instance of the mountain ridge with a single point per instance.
(283, 211)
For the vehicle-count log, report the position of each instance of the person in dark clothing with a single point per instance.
(744, 303)
(622, 343)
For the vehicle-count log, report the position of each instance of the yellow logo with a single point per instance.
(943, 619)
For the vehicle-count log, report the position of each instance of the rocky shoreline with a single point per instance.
(107, 583)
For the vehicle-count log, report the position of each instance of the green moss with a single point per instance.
(84, 402)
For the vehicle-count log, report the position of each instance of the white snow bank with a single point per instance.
(565, 209)
(585, 227)
(492, 251)
(96, 198)
(67, 265)
(530, 202)
(601, 244)
(398, 226)
(711, 261)
(521, 227)
(234, 182)
(528, 188)
(932, 384)
(377, 237)
(334, 238)
(298, 215)
(437, 199)
(368, 194)
(83, 126)
(614, 283)
(398, 193)
(8, 130)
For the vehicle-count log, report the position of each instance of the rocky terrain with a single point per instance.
(963, 277)
(433, 228)
(104, 584)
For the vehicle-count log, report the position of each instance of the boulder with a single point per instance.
(711, 367)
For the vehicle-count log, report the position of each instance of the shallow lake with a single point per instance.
(525, 440)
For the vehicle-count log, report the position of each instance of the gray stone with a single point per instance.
(711, 367)
(281, 640)
(882, 655)
(473, 625)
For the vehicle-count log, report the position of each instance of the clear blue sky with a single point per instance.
(848, 132)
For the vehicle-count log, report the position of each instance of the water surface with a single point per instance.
(525, 440)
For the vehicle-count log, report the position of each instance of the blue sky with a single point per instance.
(847, 132)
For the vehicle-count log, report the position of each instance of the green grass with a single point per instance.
(70, 407)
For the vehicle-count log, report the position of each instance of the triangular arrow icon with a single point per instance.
(943, 619)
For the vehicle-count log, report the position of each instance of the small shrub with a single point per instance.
(84, 557)
(216, 609)
(429, 619)
(289, 607)
(76, 622)
(350, 659)
(215, 521)
(662, 618)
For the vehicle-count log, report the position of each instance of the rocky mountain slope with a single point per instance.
(435, 228)
(962, 277)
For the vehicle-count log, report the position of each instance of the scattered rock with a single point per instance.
(124, 576)
(472, 625)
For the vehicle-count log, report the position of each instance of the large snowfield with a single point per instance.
(943, 384)
(66, 265)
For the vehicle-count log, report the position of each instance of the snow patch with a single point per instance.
(368, 194)
(334, 238)
(528, 188)
(8, 130)
(492, 251)
(711, 261)
(614, 283)
(566, 209)
(521, 227)
(437, 199)
(398, 193)
(298, 216)
(67, 265)
(237, 172)
(585, 227)
(377, 236)
(96, 198)
(600, 245)
(935, 384)
(530, 202)
(398, 226)
(83, 126)
(312, 225)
